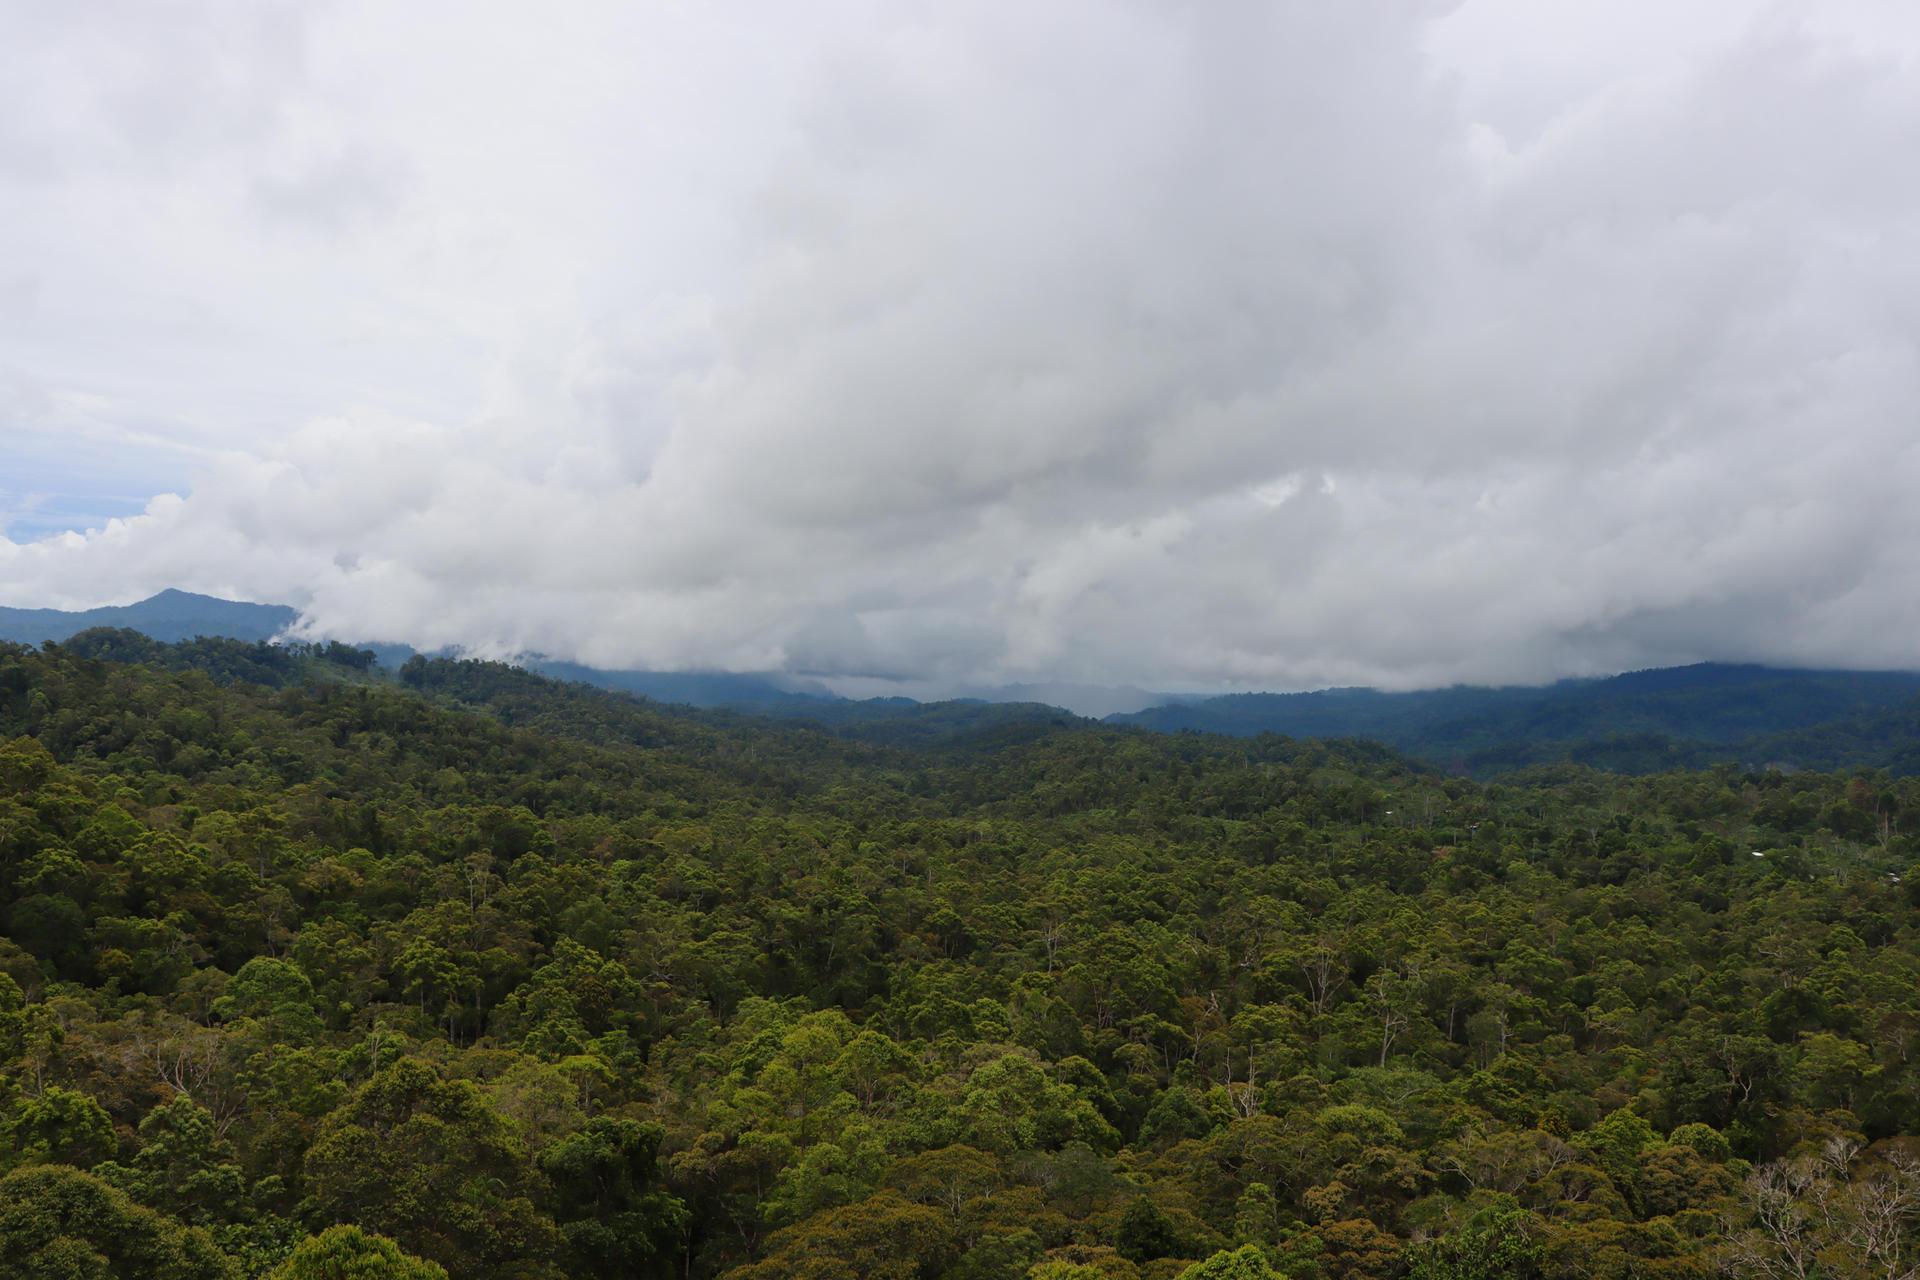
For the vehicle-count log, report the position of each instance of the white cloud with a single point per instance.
(1252, 344)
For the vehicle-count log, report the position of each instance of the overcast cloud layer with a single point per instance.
(1187, 345)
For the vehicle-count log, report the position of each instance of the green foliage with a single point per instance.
(536, 981)
(1256, 1215)
(58, 1223)
(348, 1253)
(57, 1126)
(274, 993)
(428, 1162)
(1245, 1263)
(182, 1166)
(1499, 1245)
(1708, 1141)
(616, 1220)
(1147, 1233)
(884, 1237)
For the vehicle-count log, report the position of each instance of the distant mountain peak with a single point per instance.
(168, 616)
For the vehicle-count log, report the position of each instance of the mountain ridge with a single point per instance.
(1692, 715)
(1639, 721)
(170, 615)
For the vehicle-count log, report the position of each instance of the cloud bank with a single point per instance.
(1193, 346)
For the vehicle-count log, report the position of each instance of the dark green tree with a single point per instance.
(1146, 1232)
(427, 1161)
(182, 1166)
(616, 1218)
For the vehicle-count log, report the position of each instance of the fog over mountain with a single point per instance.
(1263, 345)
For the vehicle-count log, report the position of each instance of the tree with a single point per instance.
(998, 1257)
(58, 1126)
(1392, 1001)
(1245, 1263)
(277, 995)
(1673, 1178)
(1498, 1245)
(426, 1161)
(348, 1253)
(884, 1237)
(948, 1177)
(1255, 1215)
(871, 1066)
(1357, 1249)
(58, 1223)
(1616, 1143)
(1010, 1104)
(1833, 1215)
(1058, 1270)
(182, 1166)
(1146, 1232)
(616, 1219)
(1083, 1262)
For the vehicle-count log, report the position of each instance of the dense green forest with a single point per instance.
(308, 971)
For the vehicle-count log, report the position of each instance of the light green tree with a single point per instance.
(348, 1253)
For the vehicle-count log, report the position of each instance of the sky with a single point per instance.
(1188, 346)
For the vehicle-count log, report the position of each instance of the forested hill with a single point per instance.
(1640, 722)
(310, 971)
